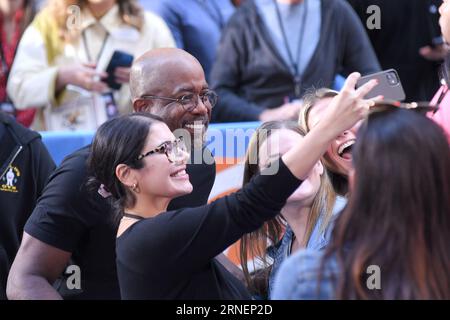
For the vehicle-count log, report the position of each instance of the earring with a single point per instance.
(134, 187)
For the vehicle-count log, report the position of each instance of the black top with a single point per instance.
(73, 219)
(406, 26)
(171, 256)
(25, 165)
(250, 76)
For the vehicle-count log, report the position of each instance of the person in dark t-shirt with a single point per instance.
(408, 39)
(25, 165)
(171, 254)
(72, 226)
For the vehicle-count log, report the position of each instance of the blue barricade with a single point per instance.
(228, 140)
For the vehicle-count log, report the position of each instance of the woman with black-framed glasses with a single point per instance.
(170, 254)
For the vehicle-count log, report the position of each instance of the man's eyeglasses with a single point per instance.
(174, 150)
(189, 101)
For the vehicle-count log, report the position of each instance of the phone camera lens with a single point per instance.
(392, 78)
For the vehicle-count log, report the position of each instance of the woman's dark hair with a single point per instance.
(118, 141)
(398, 214)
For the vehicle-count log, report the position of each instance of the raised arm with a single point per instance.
(185, 240)
(345, 110)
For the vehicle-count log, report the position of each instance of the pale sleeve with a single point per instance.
(31, 81)
(157, 32)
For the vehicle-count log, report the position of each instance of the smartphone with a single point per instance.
(389, 85)
(118, 59)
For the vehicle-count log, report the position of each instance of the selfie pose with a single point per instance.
(170, 254)
(391, 244)
(62, 58)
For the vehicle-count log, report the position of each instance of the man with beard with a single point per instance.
(74, 225)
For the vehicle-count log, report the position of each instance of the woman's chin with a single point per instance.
(183, 190)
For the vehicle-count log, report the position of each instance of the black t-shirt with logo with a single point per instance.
(74, 219)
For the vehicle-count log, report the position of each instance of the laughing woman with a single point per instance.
(391, 240)
(338, 158)
(170, 254)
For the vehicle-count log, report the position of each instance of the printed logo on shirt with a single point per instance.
(9, 181)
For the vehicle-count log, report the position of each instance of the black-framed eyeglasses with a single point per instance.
(174, 150)
(189, 101)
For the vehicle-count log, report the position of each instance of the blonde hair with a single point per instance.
(310, 99)
(254, 244)
(130, 12)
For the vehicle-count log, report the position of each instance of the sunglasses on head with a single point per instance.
(420, 107)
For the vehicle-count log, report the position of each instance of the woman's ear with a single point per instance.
(125, 175)
(140, 105)
(319, 167)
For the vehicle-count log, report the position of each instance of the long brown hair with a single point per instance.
(254, 244)
(339, 182)
(130, 12)
(398, 214)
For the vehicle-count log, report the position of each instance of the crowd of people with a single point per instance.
(335, 184)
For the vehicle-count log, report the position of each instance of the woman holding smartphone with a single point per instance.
(62, 57)
(170, 254)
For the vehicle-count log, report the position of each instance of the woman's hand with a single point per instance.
(344, 111)
(122, 75)
(81, 75)
(348, 107)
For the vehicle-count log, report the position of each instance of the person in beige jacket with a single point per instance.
(62, 58)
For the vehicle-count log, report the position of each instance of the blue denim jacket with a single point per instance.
(317, 241)
(298, 277)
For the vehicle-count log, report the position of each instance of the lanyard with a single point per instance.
(295, 64)
(217, 14)
(86, 47)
